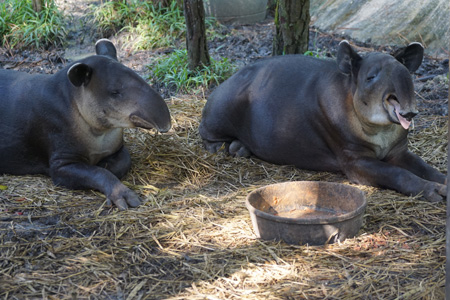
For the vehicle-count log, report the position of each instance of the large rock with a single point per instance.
(387, 22)
(236, 11)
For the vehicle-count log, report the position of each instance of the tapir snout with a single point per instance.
(152, 113)
(400, 95)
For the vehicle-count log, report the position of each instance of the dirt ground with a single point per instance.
(192, 238)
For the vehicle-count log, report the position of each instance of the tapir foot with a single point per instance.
(435, 192)
(238, 149)
(123, 197)
(214, 147)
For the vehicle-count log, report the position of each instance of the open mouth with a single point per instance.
(139, 122)
(394, 112)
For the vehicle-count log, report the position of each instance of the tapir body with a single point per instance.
(350, 115)
(69, 125)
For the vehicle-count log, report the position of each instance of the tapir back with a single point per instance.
(25, 109)
(275, 107)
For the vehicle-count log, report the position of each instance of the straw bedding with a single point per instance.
(192, 238)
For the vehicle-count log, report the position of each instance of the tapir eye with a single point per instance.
(371, 77)
(115, 93)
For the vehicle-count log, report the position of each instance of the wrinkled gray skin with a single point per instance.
(69, 125)
(350, 115)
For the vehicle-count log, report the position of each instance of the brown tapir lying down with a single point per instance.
(69, 125)
(350, 115)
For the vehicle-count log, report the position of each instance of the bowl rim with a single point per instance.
(309, 221)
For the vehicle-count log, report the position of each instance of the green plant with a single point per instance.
(173, 71)
(111, 16)
(150, 25)
(21, 26)
(159, 27)
(154, 25)
(316, 53)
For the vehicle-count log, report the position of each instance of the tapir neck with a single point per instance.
(100, 142)
(84, 123)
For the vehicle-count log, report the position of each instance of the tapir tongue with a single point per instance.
(405, 123)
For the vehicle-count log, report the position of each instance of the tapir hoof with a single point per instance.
(238, 149)
(214, 147)
(435, 192)
(123, 198)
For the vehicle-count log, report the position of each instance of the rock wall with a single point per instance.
(387, 22)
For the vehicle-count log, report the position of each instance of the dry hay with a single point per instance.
(192, 238)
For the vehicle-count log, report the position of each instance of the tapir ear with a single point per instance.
(106, 47)
(347, 58)
(79, 74)
(410, 56)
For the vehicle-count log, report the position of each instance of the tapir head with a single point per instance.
(383, 91)
(110, 95)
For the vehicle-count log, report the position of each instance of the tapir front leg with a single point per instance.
(83, 176)
(413, 163)
(118, 163)
(373, 172)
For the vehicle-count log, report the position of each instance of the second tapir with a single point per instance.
(69, 125)
(350, 115)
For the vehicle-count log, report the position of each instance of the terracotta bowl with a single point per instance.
(306, 212)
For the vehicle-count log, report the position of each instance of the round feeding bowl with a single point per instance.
(306, 212)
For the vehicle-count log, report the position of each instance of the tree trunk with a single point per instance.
(37, 5)
(291, 27)
(196, 45)
(271, 7)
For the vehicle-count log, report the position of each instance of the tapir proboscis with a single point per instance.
(350, 115)
(69, 125)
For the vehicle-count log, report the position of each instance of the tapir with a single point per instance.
(350, 115)
(69, 125)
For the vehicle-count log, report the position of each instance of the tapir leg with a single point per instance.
(83, 176)
(418, 166)
(221, 120)
(118, 163)
(373, 172)
(212, 140)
